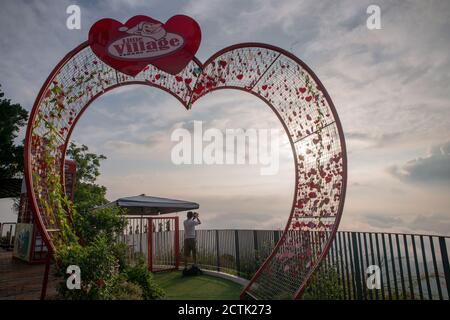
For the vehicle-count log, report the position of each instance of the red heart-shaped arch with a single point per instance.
(278, 78)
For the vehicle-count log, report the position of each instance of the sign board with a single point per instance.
(23, 241)
(142, 40)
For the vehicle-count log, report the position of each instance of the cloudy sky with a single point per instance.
(390, 88)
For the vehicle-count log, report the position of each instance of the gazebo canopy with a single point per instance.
(147, 205)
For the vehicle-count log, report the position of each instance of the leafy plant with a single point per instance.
(250, 265)
(12, 117)
(104, 264)
(88, 194)
(140, 275)
(107, 222)
(122, 253)
(324, 285)
(98, 266)
(125, 290)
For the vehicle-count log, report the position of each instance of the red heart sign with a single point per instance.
(130, 47)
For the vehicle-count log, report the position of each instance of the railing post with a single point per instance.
(276, 237)
(357, 267)
(236, 244)
(217, 250)
(149, 244)
(140, 234)
(177, 243)
(445, 263)
(255, 244)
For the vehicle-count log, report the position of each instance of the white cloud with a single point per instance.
(431, 169)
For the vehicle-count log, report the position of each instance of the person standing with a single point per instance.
(190, 245)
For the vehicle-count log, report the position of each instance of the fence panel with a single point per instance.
(411, 266)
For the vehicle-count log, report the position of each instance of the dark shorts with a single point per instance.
(189, 246)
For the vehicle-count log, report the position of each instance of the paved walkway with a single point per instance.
(21, 281)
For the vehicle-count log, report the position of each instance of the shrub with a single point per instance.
(140, 275)
(250, 265)
(98, 267)
(125, 290)
(324, 285)
(121, 252)
(108, 222)
(104, 263)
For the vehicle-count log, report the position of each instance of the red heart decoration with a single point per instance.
(142, 40)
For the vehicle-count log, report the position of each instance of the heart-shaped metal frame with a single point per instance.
(286, 84)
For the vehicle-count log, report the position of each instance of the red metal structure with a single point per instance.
(284, 82)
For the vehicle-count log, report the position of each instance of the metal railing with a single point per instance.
(408, 266)
(7, 234)
(399, 266)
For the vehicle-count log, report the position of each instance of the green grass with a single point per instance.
(202, 287)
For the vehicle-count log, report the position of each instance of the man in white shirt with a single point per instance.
(189, 237)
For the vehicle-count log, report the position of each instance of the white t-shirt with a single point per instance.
(189, 228)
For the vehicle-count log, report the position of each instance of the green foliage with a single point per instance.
(324, 285)
(106, 222)
(250, 266)
(122, 253)
(88, 194)
(102, 276)
(140, 275)
(104, 264)
(12, 117)
(98, 266)
(125, 290)
(88, 164)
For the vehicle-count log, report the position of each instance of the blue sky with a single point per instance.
(390, 87)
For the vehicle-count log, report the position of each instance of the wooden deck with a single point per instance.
(21, 281)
